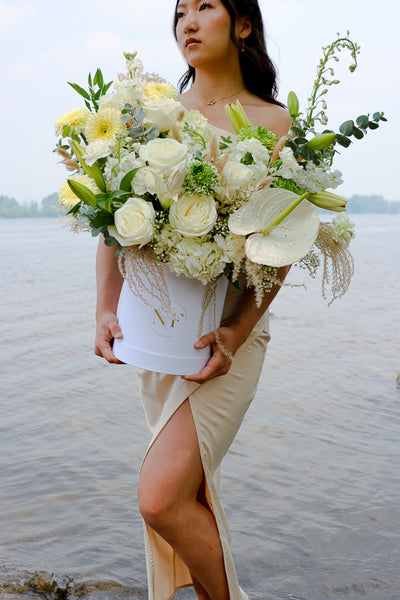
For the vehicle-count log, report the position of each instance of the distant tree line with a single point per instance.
(10, 208)
(49, 206)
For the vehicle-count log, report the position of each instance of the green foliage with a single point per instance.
(97, 89)
(201, 178)
(225, 142)
(287, 184)
(266, 137)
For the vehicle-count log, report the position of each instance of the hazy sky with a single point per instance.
(44, 43)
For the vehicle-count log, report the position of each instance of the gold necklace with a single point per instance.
(213, 101)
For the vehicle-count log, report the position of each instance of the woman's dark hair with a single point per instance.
(258, 71)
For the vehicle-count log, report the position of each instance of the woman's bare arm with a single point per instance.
(109, 282)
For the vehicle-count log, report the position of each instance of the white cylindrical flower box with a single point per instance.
(161, 323)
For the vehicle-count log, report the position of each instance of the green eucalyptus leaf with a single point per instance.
(79, 89)
(298, 132)
(358, 134)
(125, 118)
(109, 241)
(343, 140)
(135, 132)
(376, 116)
(373, 125)
(347, 127)
(362, 121)
(96, 231)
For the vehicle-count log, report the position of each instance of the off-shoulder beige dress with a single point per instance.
(218, 407)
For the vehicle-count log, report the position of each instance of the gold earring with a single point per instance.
(243, 49)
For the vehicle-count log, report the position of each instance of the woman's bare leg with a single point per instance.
(169, 485)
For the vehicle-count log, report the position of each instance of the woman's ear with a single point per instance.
(243, 26)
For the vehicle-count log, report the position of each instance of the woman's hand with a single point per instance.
(224, 343)
(107, 330)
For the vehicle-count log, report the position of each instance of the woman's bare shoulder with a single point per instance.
(273, 116)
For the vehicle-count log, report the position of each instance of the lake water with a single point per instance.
(311, 485)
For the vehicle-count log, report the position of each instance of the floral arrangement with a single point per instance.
(149, 173)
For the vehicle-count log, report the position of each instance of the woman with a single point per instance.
(195, 418)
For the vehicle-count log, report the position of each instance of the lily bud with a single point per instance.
(237, 116)
(94, 171)
(293, 105)
(321, 141)
(328, 201)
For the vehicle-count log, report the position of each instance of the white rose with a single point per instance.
(236, 175)
(193, 215)
(163, 154)
(116, 100)
(133, 222)
(163, 112)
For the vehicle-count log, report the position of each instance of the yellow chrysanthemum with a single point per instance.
(104, 125)
(76, 118)
(67, 197)
(155, 91)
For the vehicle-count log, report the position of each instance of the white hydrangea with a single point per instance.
(167, 239)
(197, 258)
(343, 229)
(115, 168)
(313, 178)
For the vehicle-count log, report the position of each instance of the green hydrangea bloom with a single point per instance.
(261, 133)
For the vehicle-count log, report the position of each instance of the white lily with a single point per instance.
(282, 226)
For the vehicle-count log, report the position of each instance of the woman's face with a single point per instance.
(203, 32)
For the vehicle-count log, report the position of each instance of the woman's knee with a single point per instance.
(157, 503)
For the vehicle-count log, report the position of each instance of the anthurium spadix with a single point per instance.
(282, 226)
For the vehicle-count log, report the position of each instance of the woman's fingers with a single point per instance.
(216, 366)
(205, 340)
(107, 331)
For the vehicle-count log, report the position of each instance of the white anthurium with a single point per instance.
(283, 226)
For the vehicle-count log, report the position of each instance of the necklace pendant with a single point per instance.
(211, 102)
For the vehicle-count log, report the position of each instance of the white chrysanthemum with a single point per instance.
(253, 146)
(116, 169)
(197, 258)
(104, 125)
(343, 229)
(76, 119)
(67, 197)
(97, 149)
(144, 182)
